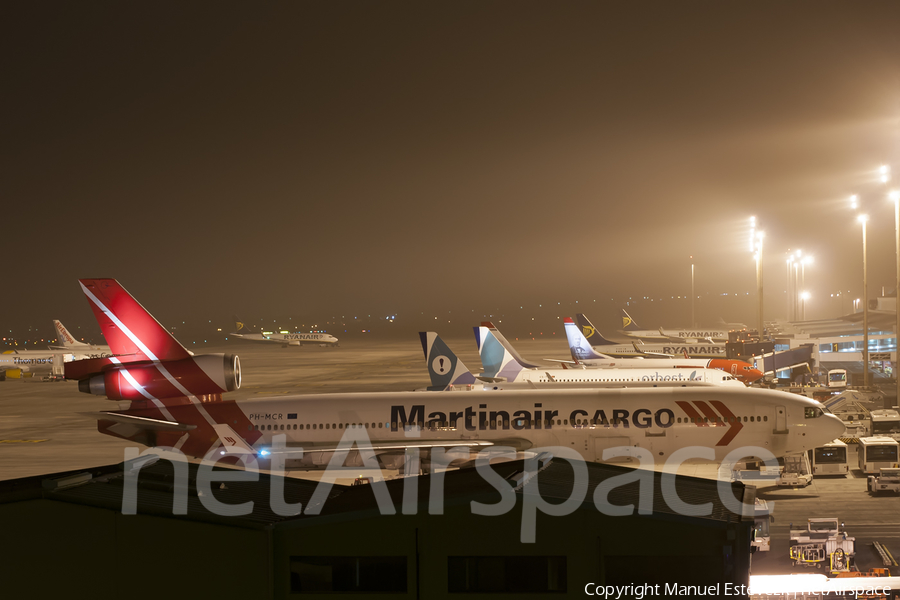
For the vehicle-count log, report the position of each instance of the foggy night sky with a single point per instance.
(387, 157)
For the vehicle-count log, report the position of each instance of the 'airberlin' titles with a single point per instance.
(702, 348)
(481, 420)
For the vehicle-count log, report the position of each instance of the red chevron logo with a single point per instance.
(730, 419)
(711, 417)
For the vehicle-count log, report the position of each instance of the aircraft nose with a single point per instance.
(835, 427)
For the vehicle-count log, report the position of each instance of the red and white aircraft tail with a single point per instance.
(151, 369)
(126, 325)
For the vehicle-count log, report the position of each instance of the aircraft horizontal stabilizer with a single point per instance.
(564, 362)
(142, 422)
(671, 338)
(637, 349)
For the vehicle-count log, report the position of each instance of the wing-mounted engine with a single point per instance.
(142, 380)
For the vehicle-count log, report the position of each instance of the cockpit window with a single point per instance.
(812, 412)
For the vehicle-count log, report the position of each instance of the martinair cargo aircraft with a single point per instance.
(632, 329)
(501, 362)
(175, 400)
(68, 342)
(583, 353)
(283, 337)
(671, 349)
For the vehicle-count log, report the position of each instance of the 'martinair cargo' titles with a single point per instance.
(482, 420)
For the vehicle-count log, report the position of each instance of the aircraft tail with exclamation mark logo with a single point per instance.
(444, 367)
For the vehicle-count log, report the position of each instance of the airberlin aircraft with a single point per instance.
(175, 400)
(583, 353)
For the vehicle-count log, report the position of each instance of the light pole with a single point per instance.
(804, 296)
(806, 260)
(790, 288)
(862, 219)
(759, 279)
(796, 284)
(895, 196)
(693, 322)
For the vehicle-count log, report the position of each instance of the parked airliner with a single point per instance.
(604, 346)
(632, 329)
(175, 400)
(68, 342)
(447, 371)
(583, 353)
(502, 362)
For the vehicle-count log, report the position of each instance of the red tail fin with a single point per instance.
(126, 325)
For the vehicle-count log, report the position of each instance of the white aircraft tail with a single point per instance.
(498, 357)
(444, 367)
(66, 339)
(579, 346)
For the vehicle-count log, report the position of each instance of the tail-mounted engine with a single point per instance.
(196, 375)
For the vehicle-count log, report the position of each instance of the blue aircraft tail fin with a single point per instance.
(498, 357)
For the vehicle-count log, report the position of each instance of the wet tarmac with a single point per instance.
(46, 428)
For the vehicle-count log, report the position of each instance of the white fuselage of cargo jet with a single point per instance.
(660, 421)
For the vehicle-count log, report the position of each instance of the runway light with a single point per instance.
(263, 452)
